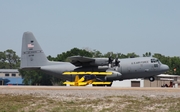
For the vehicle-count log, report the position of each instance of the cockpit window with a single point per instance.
(159, 62)
(155, 61)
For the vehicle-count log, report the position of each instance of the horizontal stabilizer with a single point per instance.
(90, 73)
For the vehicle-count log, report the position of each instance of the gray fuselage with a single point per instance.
(142, 67)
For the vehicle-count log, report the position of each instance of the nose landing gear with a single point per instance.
(151, 79)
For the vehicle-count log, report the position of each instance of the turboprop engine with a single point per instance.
(115, 75)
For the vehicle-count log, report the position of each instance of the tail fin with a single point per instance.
(32, 56)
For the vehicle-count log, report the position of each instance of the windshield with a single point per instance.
(159, 62)
(155, 61)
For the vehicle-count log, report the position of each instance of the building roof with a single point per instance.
(167, 75)
(9, 71)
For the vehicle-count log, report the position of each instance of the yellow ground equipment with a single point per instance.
(88, 78)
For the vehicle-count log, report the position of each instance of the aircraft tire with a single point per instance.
(151, 79)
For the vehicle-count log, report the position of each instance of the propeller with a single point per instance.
(113, 62)
(117, 61)
(110, 60)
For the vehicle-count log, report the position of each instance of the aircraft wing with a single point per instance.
(80, 60)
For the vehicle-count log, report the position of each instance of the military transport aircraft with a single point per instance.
(33, 57)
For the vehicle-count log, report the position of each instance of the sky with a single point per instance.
(119, 26)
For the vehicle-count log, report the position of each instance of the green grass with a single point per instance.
(30, 103)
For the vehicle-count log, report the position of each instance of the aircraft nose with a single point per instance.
(164, 67)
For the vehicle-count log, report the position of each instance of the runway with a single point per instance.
(88, 88)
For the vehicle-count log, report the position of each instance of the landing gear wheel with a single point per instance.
(151, 79)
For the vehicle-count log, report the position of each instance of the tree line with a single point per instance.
(9, 60)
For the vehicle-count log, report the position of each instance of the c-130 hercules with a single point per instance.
(33, 57)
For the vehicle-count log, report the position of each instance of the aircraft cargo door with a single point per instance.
(135, 83)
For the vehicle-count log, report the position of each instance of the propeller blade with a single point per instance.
(110, 60)
(117, 61)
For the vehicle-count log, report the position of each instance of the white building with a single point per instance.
(160, 80)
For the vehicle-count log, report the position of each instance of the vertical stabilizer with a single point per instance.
(32, 56)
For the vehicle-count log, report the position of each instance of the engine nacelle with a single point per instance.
(115, 76)
(100, 62)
